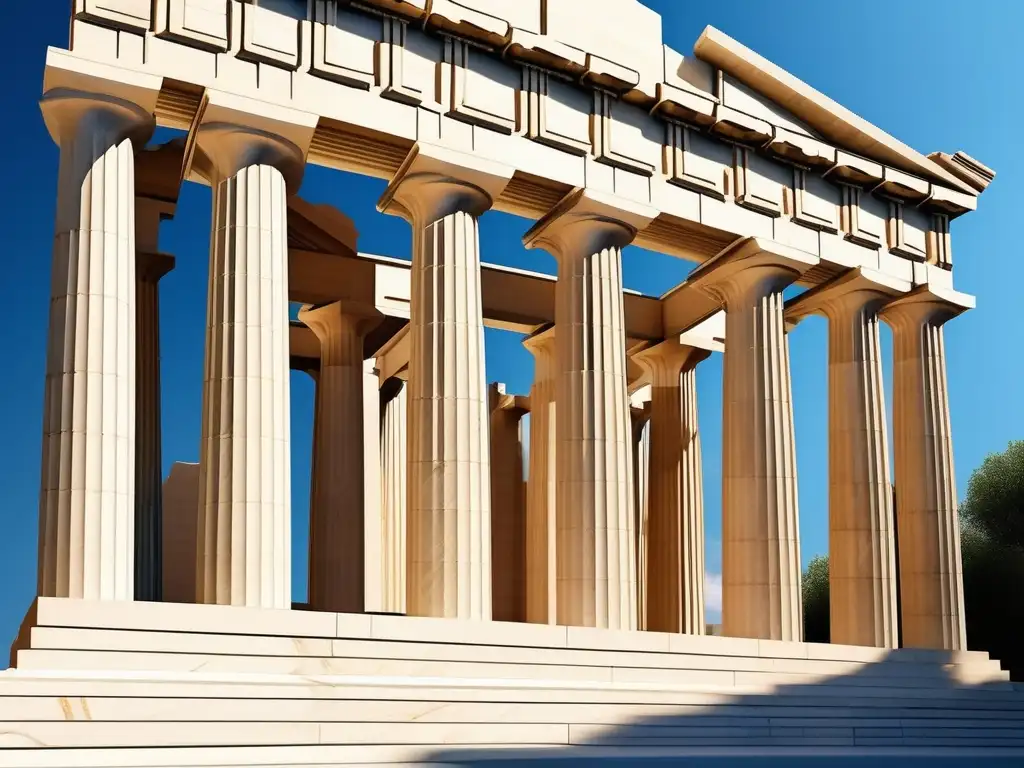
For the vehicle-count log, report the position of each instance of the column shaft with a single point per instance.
(394, 492)
(595, 557)
(87, 498)
(541, 573)
(449, 527)
(148, 465)
(931, 578)
(245, 489)
(861, 552)
(675, 540)
(336, 515)
(508, 509)
(760, 536)
(641, 488)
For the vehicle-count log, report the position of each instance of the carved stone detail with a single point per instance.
(198, 23)
(534, 99)
(131, 15)
(602, 124)
(462, 90)
(688, 169)
(940, 250)
(896, 231)
(857, 228)
(823, 215)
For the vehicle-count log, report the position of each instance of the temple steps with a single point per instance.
(145, 684)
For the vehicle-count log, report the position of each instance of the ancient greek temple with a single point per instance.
(451, 602)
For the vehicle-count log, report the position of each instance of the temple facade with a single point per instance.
(574, 115)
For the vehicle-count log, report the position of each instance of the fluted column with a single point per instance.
(675, 516)
(442, 193)
(508, 506)
(337, 576)
(150, 268)
(595, 556)
(541, 574)
(760, 535)
(87, 493)
(931, 577)
(394, 492)
(862, 578)
(244, 533)
(641, 422)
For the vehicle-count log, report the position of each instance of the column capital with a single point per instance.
(232, 132)
(926, 304)
(434, 182)
(500, 400)
(541, 342)
(664, 362)
(848, 292)
(328, 321)
(150, 267)
(751, 263)
(587, 221)
(109, 119)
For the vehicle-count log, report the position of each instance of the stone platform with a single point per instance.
(134, 684)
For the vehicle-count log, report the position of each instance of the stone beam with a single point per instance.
(514, 299)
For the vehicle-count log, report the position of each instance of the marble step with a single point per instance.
(33, 659)
(248, 622)
(51, 638)
(815, 701)
(71, 734)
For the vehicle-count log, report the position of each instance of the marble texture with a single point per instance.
(931, 573)
(541, 531)
(862, 557)
(441, 193)
(244, 532)
(760, 532)
(674, 537)
(337, 574)
(87, 495)
(596, 564)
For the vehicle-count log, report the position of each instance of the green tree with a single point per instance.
(814, 588)
(992, 548)
(995, 497)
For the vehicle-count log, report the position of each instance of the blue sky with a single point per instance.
(937, 74)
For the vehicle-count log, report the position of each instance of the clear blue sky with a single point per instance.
(937, 74)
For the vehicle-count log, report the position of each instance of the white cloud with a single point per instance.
(713, 596)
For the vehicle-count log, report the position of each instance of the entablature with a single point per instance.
(567, 96)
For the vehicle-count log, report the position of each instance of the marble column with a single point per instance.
(441, 193)
(508, 506)
(675, 504)
(862, 564)
(244, 532)
(931, 577)
(87, 489)
(541, 574)
(150, 267)
(640, 416)
(394, 492)
(596, 563)
(337, 577)
(760, 534)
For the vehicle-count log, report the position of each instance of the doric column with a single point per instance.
(394, 492)
(640, 416)
(157, 183)
(244, 532)
(931, 578)
(150, 268)
(595, 557)
(87, 495)
(508, 506)
(760, 535)
(862, 579)
(541, 575)
(337, 575)
(675, 503)
(441, 193)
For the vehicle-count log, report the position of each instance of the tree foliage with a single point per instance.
(995, 497)
(814, 586)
